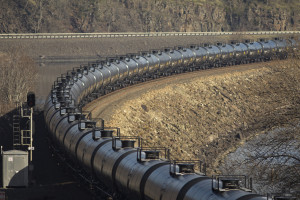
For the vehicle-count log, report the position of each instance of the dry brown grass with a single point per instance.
(208, 117)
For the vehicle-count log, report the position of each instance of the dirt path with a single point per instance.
(206, 114)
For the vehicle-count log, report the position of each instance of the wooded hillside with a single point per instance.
(154, 15)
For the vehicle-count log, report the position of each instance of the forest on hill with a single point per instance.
(79, 16)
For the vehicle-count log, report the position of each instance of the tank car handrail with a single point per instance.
(63, 115)
(138, 138)
(154, 149)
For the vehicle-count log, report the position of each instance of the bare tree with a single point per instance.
(17, 76)
(272, 159)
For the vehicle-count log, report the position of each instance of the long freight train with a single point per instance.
(128, 168)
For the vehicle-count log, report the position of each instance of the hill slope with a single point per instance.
(208, 115)
(138, 15)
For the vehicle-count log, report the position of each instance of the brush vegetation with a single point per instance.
(137, 15)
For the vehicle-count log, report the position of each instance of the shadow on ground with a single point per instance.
(49, 179)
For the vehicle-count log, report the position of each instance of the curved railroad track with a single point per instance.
(140, 172)
(104, 106)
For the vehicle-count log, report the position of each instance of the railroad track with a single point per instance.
(135, 171)
(150, 34)
(104, 106)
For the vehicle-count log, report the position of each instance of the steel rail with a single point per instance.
(132, 34)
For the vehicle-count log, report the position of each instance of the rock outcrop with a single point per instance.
(141, 16)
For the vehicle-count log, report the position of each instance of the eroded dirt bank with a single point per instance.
(207, 116)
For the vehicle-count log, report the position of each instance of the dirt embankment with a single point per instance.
(207, 116)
